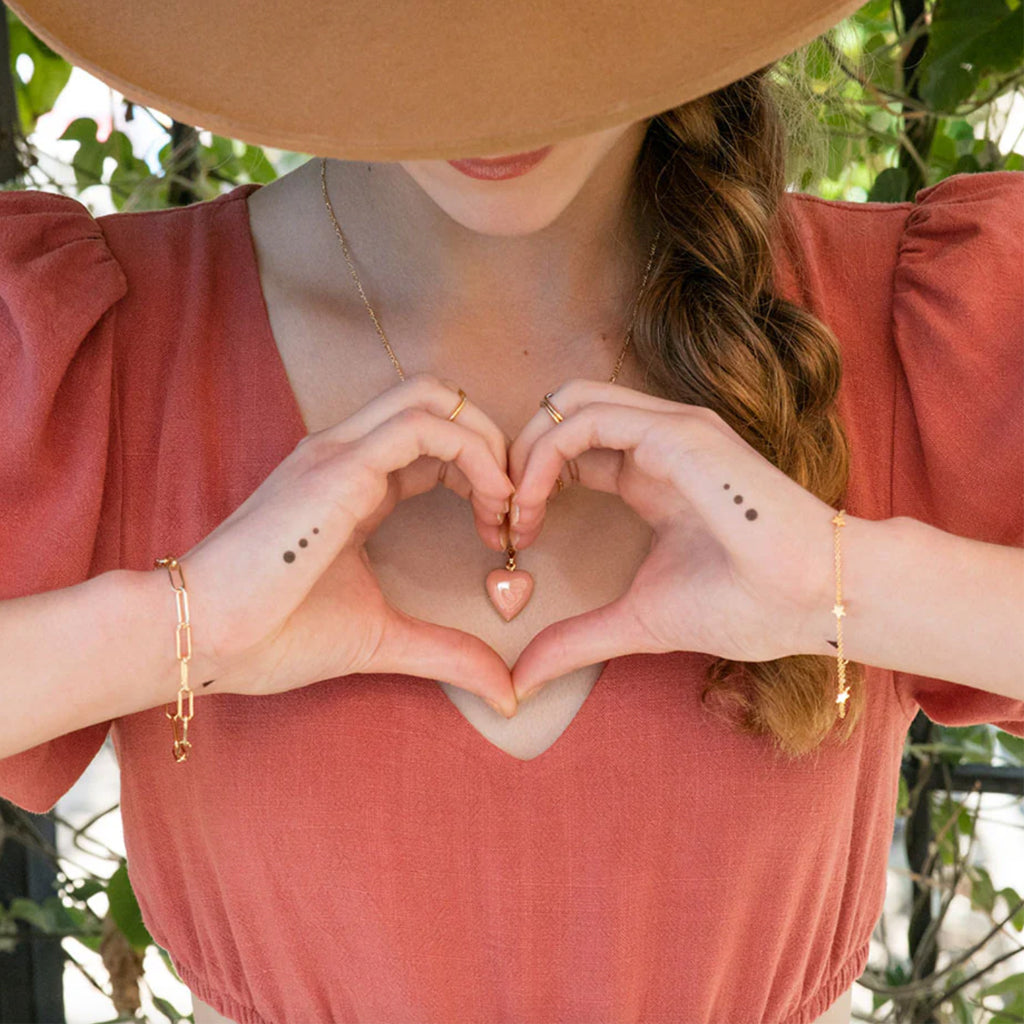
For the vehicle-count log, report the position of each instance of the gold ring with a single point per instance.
(462, 401)
(574, 470)
(561, 484)
(545, 403)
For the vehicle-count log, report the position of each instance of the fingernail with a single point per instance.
(500, 710)
(503, 534)
(515, 512)
(508, 502)
(521, 697)
(499, 517)
(513, 538)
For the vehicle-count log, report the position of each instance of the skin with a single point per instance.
(534, 274)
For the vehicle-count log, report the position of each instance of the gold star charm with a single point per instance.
(841, 700)
(839, 610)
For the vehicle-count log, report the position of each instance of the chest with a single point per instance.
(427, 555)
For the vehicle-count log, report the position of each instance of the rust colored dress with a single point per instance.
(395, 866)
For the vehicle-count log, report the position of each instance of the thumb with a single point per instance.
(415, 647)
(597, 635)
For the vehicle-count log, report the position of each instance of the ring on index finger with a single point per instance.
(549, 406)
(455, 412)
(462, 401)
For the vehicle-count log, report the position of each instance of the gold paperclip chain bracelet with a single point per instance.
(185, 711)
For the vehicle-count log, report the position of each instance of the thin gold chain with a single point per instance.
(376, 322)
(839, 610)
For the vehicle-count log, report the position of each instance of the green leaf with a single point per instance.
(50, 73)
(50, 916)
(965, 823)
(1013, 745)
(258, 167)
(124, 908)
(1012, 898)
(83, 889)
(87, 162)
(968, 38)
(890, 186)
(168, 1010)
(962, 1009)
(1013, 985)
(967, 164)
(983, 893)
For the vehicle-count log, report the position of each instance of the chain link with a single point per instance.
(185, 710)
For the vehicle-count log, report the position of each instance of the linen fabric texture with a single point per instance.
(390, 864)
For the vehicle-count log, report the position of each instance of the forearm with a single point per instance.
(925, 601)
(85, 654)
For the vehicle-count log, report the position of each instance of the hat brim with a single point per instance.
(328, 77)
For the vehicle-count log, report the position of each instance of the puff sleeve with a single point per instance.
(958, 439)
(59, 283)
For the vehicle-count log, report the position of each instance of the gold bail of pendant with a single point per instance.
(510, 588)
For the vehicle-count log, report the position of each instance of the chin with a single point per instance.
(516, 210)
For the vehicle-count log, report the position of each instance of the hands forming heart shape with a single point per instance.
(740, 563)
(740, 560)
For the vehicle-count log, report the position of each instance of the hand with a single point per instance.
(740, 552)
(283, 588)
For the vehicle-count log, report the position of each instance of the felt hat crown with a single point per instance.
(421, 79)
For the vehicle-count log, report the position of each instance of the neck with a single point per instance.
(569, 285)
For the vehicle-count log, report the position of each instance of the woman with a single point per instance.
(652, 835)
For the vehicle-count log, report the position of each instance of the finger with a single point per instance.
(598, 635)
(412, 646)
(598, 425)
(422, 391)
(402, 440)
(571, 396)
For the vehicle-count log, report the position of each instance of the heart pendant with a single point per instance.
(509, 590)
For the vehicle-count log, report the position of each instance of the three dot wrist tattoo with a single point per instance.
(289, 556)
(751, 513)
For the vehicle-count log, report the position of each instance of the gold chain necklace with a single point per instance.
(507, 612)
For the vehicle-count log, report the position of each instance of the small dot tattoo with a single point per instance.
(751, 513)
(289, 556)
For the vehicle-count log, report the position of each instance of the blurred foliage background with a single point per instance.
(899, 96)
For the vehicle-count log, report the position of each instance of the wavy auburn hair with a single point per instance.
(710, 331)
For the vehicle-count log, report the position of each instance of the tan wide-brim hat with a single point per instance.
(421, 79)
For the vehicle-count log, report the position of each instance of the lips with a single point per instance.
(497, 168)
